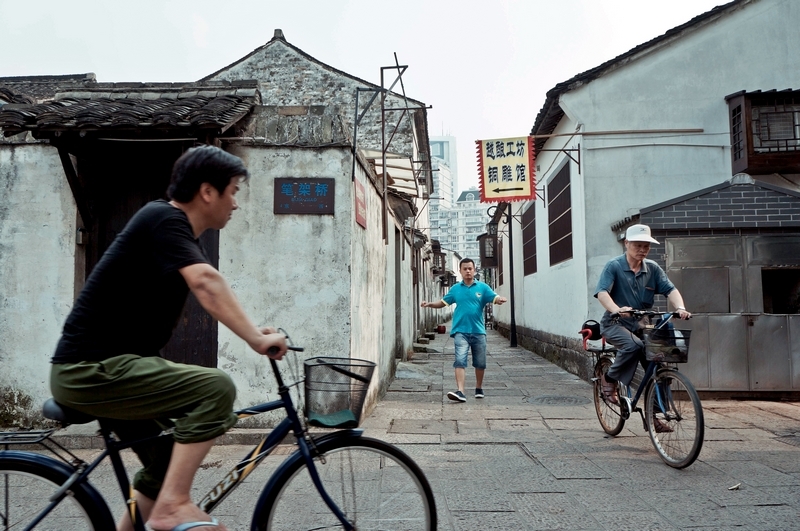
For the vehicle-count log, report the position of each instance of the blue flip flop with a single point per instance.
(191, 525)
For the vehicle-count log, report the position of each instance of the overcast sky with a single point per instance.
(484, 66)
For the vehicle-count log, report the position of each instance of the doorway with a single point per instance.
(121, 177)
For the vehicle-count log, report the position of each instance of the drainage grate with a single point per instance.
(555, 400)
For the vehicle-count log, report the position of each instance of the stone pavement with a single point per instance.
(532, 455)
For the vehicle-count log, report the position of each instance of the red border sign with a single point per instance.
(506, 167)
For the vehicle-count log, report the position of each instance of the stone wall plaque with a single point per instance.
(304, 195)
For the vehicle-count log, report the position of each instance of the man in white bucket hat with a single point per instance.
(628, 282)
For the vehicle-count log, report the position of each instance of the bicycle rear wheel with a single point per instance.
(608, 414)
(27, 480)
(674, 418)
(375, 484)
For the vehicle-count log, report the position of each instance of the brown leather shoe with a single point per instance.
(661, 427)
(609, 390)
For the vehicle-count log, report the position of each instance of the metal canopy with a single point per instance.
(399, 170)
(395, 170)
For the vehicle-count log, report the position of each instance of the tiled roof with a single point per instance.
(9, 96)
(119, 106)
(42, 88)
(402, 204)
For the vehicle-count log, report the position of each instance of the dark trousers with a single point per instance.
(139, 396)
(630, 350)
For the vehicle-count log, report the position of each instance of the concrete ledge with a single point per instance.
(424, 348)
(565, 352)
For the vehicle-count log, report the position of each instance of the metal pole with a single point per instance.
(510, 221)
(355, 140)
(385, 213)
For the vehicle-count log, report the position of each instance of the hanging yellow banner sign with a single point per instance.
(506, 169)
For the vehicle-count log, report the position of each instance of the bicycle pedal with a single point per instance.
(625, 407)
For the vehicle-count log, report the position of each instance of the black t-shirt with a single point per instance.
(134, 297)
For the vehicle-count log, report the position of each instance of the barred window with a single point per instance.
(559, 217)
(737, 134)
(529, 239)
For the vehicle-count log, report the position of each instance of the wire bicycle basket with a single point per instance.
(666, 345)
(335, 389)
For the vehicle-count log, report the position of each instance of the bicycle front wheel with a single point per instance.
(608, 414)
(674, 418)
(375, 484)
(28, 480)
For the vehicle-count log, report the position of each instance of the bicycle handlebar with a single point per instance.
(274, 350)
(271, 351)
(644, 313)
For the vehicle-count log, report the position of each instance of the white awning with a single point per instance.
(399, 168)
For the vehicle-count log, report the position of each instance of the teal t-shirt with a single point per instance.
(469, 301)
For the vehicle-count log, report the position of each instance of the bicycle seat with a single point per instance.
(65, 415)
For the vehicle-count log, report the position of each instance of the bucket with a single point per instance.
(441, 329)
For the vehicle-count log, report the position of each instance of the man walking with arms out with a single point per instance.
(468, 331)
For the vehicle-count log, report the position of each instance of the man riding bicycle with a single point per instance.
(107, 361)
(628, 282)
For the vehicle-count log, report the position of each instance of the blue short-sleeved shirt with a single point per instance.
(637, 290)
(470, 301)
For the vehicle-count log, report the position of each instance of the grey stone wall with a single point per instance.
(287, 77)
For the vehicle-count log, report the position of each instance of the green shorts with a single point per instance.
(143, 395)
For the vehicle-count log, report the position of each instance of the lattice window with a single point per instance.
(776, 127)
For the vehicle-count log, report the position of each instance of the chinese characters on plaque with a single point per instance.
(300, 195)
(506, 169)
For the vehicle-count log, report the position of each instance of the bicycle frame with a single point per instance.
(631, 406)
(292, 423)
(653, 366)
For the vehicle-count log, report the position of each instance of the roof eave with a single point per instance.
(546, 119)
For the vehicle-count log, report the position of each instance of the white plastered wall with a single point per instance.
(325, 279)
(37, 249)
(680, 85)
(289, 271)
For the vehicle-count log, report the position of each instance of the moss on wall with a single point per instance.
(17, 411)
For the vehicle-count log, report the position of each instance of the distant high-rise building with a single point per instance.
(444, 148)
(469, 219)
(456, 223)
(441, 199)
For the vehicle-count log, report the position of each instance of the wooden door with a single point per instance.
(122, 177)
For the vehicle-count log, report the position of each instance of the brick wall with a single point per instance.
(752, 206)
(730, 209)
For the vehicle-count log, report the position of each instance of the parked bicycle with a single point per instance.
(672, 415)
(333, 480)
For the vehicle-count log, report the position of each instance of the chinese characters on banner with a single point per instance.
(299, 195)
(506, 168)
